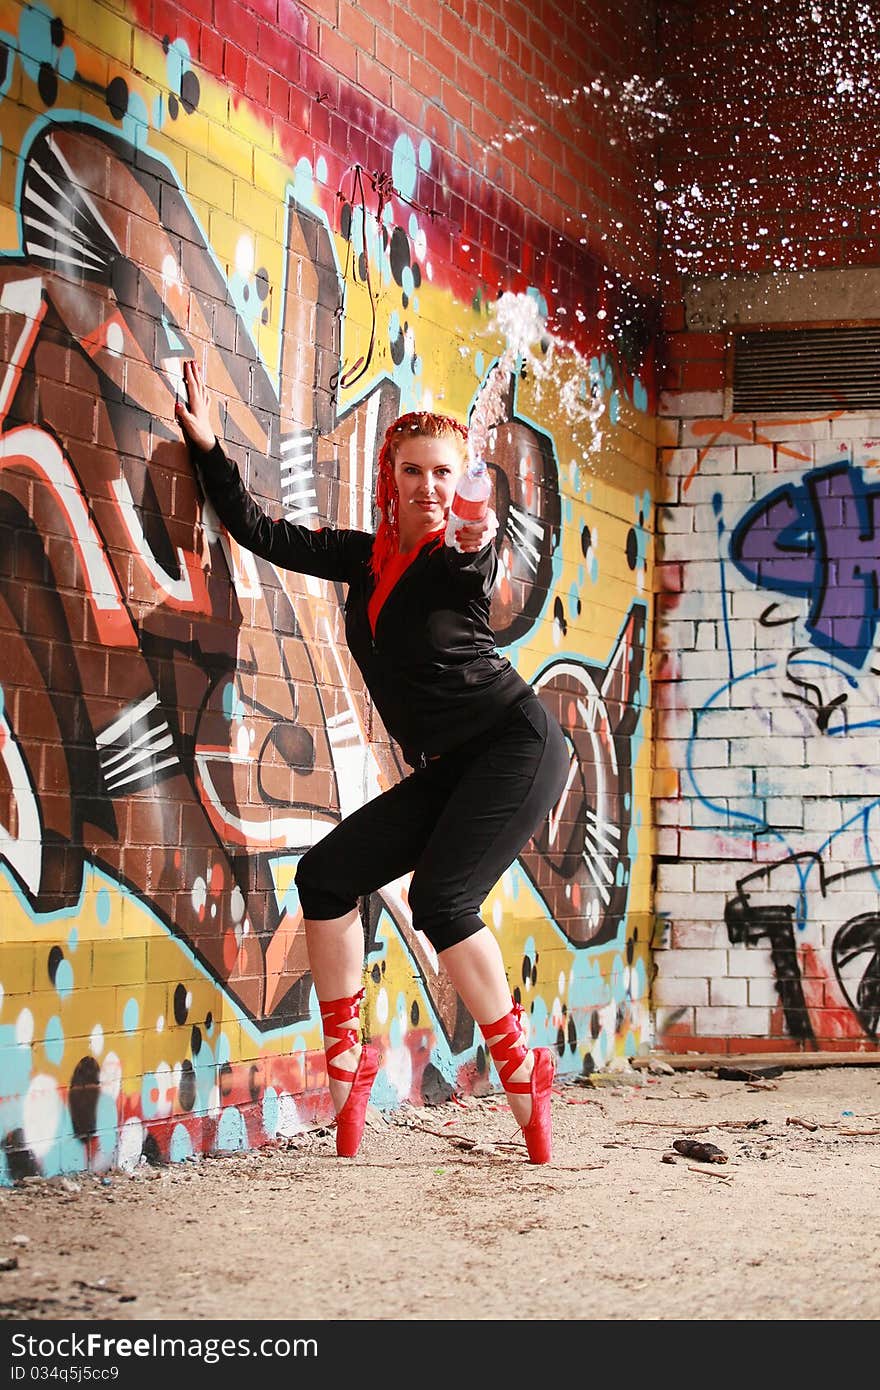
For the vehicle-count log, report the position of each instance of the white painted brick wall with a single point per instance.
(688, 965)
(679, 1017)
(675, 878)
(729, 992)
(671, 520)
(751, 963)
(695, 907)
(702, 936)
(696, 545)
(709, 878)
(755, 459)
(675, 991)
(727, 1022)
(758, 753)
(763, 993)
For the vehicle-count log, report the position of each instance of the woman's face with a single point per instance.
(425, 471)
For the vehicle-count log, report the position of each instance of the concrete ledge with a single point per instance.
(791, 1061)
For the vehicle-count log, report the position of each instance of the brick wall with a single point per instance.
(766, 709)
(322, 204)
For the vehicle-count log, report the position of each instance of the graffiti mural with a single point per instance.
(779, 774)
(180, 721)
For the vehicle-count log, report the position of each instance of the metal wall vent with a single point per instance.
(807, 369)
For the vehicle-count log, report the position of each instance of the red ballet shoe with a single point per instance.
(340, 1020)
(538, 1133)
(508, 1053)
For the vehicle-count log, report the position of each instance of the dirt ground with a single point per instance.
(441, 1217)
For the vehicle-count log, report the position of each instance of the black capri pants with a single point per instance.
(457, 823)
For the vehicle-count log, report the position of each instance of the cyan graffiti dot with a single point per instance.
(105, 1124)
(424, 154)
(608, 376)
(130, 1015)
(640, 395)
(231, 1131)
(594, 568)
(64, 978)
(136, 121)
(223, 1050)
(567, 511)
(387, 214)
(640, 980)
(406, 280)
(413, 225)
(53, 1042)
(581, 576)
(627, 801)
(479, 365)
(270, 1111)
(403, 166)
(35, 39)
(573, 602)
(321, 169)
(229, 699)
(302, 181)
(102, 906)
(614, 407)
(180, 1146)
(72, 940)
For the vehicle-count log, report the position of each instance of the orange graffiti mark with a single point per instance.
(743, 430)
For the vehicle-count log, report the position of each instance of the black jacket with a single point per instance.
(432, 668)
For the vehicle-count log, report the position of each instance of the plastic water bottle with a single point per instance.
(471, 501)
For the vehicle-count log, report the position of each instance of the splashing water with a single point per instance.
(518, 319)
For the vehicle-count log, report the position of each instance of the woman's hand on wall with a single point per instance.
(194, 418)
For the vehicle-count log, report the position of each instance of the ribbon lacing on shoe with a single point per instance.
(509, 1050)
(340, 1020)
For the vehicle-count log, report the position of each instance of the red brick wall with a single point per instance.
(498, 86)
(776, 123)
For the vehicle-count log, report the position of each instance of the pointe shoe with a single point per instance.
(340, 1020)
(538, 1133)
(508, 1053)
(352, 1117)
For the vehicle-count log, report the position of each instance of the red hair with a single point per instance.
(418, 422)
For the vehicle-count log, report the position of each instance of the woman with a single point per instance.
(488, 761)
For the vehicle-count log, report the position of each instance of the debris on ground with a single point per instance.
(748, 1073)
(702, 1152)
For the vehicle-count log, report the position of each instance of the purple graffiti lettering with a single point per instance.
(819, 540)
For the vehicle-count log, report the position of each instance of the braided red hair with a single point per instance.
(421, 422)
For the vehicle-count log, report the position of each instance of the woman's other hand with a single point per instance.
(474, 537)
(194, 418)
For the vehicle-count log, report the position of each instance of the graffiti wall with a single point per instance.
(180, 721)
(767, 696)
